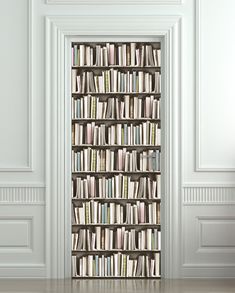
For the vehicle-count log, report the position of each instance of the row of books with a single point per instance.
(94, 212)
(116, 108)
(118, 238)
(116, 81)
(145, 133)
(95, 160)
(129, 54)
(117, 186)
(116, 265)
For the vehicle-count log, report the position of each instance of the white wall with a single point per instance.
(207, 144)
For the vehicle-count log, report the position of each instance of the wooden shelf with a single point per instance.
(117, 172)
(117, 94)
(145, 225)
(108, 277)
(111, 173)
(117, 147)
(112, 251)
(93, 67)
(123, 200)
(114, 121)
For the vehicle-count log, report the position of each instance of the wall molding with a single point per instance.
(29, 166)
(114, 2)
(199, 165)
(22, 195)
(208, 195)
(59, 31)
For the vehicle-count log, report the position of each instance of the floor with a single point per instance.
(118, 286)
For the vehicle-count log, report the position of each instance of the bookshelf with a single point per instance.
(115, 151)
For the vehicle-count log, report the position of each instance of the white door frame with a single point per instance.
(59, 32)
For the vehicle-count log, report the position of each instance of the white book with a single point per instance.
(137, 54)
(147, 265)
(98, 237)
(88, 240)
(82, 55)
(124, 55)
(159, 240)
(93, 240)
(105, 56)
(149, 239)
(159, 57)
(88, 55)
(155, 57)
(91, 56)
(74, 265)
(152, 265)
(141, 81)
(142, 55)
(154, 212)
(100, 267)
(105, 267)
(84, 266)
(115, 82)
(80, 267)
(116, 264)
(127, 105)
(81, 215)
(74, 80)
(157, 264)
(133, 47)
(134, 268)
(83, 82)
(111, 54)
(143, 240)
(159, 186)
(112, 213)
(107, 234)
(110, 240)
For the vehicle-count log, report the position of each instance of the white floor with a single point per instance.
(118, 286)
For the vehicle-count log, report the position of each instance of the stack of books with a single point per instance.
(116, 160)
(116, 81)
(124, 107)
(117, 134)
(116, 187)
(94, 212)
(107, 239)
(132, 54)
(91, 159)
(116, 265)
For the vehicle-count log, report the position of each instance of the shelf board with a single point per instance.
(117, 225)
(108, 173)
(117, 199)
(115, 121)
(130, 67)
(117, 94)
(134, 147)
(108, 277)
(136, 251)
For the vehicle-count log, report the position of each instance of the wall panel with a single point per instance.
(15, 81)
(215, 85)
